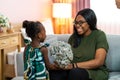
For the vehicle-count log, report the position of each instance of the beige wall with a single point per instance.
(19, 10)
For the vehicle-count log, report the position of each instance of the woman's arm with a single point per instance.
(94, 63)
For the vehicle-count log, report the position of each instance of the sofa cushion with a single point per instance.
(19, 65)
(18, 78)
(50, 38)
(114, 76)
(48, 26)
(113, 56)
(63, 37)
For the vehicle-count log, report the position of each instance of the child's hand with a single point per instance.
(56, 65)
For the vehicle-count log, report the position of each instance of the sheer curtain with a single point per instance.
(108, 15)
(79, 5)
(76, 6)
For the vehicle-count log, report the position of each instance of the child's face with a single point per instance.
(42, 35)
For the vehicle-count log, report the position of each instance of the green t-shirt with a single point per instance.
(87, 49)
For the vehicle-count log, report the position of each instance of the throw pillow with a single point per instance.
(48, 26)
(61, 53)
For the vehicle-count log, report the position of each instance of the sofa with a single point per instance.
(112, 59)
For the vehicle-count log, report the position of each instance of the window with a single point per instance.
(108, 15)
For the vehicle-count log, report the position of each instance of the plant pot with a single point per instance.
(4, 29)
(1, 31)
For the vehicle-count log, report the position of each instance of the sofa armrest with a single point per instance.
(19, 65)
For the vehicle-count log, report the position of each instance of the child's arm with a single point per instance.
(50, 66)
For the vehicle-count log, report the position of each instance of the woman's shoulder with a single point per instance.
(72, 36)
(99, 32)
(99, 35)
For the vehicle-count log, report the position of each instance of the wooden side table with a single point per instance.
(8, 42)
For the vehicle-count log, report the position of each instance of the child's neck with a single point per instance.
(35, 43)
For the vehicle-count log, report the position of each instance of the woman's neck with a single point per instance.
(88, 32)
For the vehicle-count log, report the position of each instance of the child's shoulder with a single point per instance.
(44, 44)
(43, 47)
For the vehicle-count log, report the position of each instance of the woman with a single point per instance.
(89, 46)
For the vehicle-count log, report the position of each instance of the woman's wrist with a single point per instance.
(74, 65)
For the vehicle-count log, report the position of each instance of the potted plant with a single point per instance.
(4, 23)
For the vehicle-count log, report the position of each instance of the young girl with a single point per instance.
(36, 55)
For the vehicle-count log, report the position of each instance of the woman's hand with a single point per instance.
(69, 66)
(56, 66)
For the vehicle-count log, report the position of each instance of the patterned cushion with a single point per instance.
(61, 52)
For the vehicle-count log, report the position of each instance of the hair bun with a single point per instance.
(25, 24)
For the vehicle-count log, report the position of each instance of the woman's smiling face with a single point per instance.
(82, 26)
